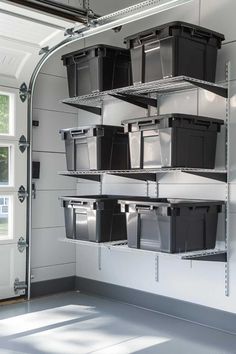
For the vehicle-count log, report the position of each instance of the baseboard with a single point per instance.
(222, 320)
(53, 286)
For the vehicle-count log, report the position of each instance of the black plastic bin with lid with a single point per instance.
(97, 68)
(94, 218)
(97, 147)
(174, 49)
(172, 140)
(171, 225)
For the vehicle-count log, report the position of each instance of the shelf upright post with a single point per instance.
(101, 122)
(227, 160)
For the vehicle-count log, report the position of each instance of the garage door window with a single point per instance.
(6, 113)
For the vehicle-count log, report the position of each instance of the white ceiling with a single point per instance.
(22, 38)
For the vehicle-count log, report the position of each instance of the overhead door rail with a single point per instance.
(54, 8)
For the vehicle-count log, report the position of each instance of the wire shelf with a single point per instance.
(217, 254)
(160, 87)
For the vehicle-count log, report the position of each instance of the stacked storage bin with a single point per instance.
(166, 141)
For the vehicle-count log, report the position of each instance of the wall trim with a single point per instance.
(203, 315)
(52, 286)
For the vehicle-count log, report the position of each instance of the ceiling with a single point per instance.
(23, 33)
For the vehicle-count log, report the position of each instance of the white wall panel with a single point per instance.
(115, 111)
(177, 278)
(193, 191)
(46, 240)
(85, 187)
(218, 15)
(226, 54)
(53, 272)
(180, 102)
(50, 164)
(47, 210)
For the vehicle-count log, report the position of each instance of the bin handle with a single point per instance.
(79, 56)
(77, 204)
(145, 208)
(199, 33)
(202, 207)
(79, 132)
(148, 36)
(202, 123)
(148, 122)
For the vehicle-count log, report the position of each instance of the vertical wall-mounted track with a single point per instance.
(227, 162)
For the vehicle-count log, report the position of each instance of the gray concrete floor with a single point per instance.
(81, 324)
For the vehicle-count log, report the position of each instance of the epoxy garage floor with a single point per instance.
(81, 324)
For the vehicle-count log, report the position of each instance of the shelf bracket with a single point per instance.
(137, 176)
(91, 177)
(222, 177)
(140, 101)
(90, 109)
(221, 91)
(214, 257)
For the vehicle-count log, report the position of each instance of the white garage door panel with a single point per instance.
(50, 164)
(12, 266)
(58, 91)
(46, 136)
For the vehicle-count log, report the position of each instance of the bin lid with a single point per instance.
(90, 48)
(177, 24)
(97, 198)
(154, 119)
(171, 202)
(90, 127)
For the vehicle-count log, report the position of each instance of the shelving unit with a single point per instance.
(147, 174)
(137, 94)
(215, 255)
(145, 95)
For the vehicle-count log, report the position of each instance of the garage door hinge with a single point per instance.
(22, 194)
(19, 287)
(23, 92)
(23, 143)
(21, 244)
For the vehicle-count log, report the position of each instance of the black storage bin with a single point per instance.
(94, 218)
(171, 225)
(172, 140)
(174, 49)
(97, 68)
(98, 147)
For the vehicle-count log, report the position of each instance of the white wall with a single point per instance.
(198, 282)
